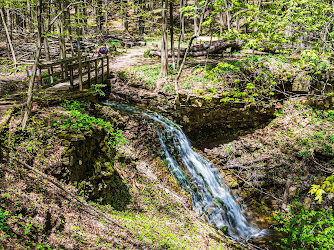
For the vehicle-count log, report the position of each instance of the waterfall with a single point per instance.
(210, 196)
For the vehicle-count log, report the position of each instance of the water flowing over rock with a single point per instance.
(210, 196)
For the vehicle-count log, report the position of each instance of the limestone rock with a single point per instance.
(301, 83)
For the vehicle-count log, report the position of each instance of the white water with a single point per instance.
(210, 196)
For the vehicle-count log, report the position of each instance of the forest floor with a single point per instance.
(297, 145)
(277, 165)
(35, 213)
(130, 58)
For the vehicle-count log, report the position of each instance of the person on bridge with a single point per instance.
(103, 51)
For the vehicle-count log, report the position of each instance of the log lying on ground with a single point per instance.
(219, 46)
(130, 44)
(215, 47)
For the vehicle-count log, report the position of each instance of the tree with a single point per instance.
(10, 45)
(37, 58)
(164, 39)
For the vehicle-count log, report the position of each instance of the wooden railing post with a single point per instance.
(71, 77)
(51, 73)
(96, 71)
(102, 66)
(108, 66)
(63, 74)
(41, 76)
(89, 79)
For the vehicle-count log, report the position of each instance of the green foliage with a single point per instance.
(7, 66)
(147, 53)
(83, 122)
(326, 187)
(48, 79)
(222, 68)
(169, 88)
(117, 44)
(97, 89)
(74, 105)
(312, 59)
(3, 223)
(148, 74)
(80, 121)
(306, 229)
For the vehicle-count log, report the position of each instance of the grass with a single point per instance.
(147, 74)
(162, 222)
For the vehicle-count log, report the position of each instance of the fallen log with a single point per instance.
(219, 46)
(215, 47)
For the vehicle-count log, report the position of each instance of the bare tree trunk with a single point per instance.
(171, 28)
(68, 28)
(140, 18)
(178, 52)
(185, 57)
(207, 56)
(221, 24)
(164, 40)
(10, 45)
(195, 18)
(182, 22)
(77, 12)
(32, 79)
(30, 27)
(99, 20)
(9, 23)
(228, 20)
(188, 48)
(48, 57)
(105, 16)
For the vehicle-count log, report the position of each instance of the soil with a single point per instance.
(130, 58)
(35, 213)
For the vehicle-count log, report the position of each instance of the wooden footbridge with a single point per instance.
(74, 72)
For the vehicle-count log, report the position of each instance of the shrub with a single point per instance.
(306, 229)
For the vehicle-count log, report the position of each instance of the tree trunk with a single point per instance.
(77, 12)
(105, 16)
(30, 27)
(99, 15)
(221, 23)
(32, 79)
(9, 23)
(68, 28)
(140, 18)
(195, 19)
(178, 52)
(182, 22)
(10, 45)
(164, 40)
(171, 28)
(48, 57)
(228, 20)
(187, 51)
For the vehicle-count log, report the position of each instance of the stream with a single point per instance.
(211, 199)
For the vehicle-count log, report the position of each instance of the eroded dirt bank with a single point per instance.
(274, 166)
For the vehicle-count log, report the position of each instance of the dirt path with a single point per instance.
(134, 57)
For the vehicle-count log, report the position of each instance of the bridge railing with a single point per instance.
(92, 70)
(99, 66)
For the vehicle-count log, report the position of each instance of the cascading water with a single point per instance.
(210, 196)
